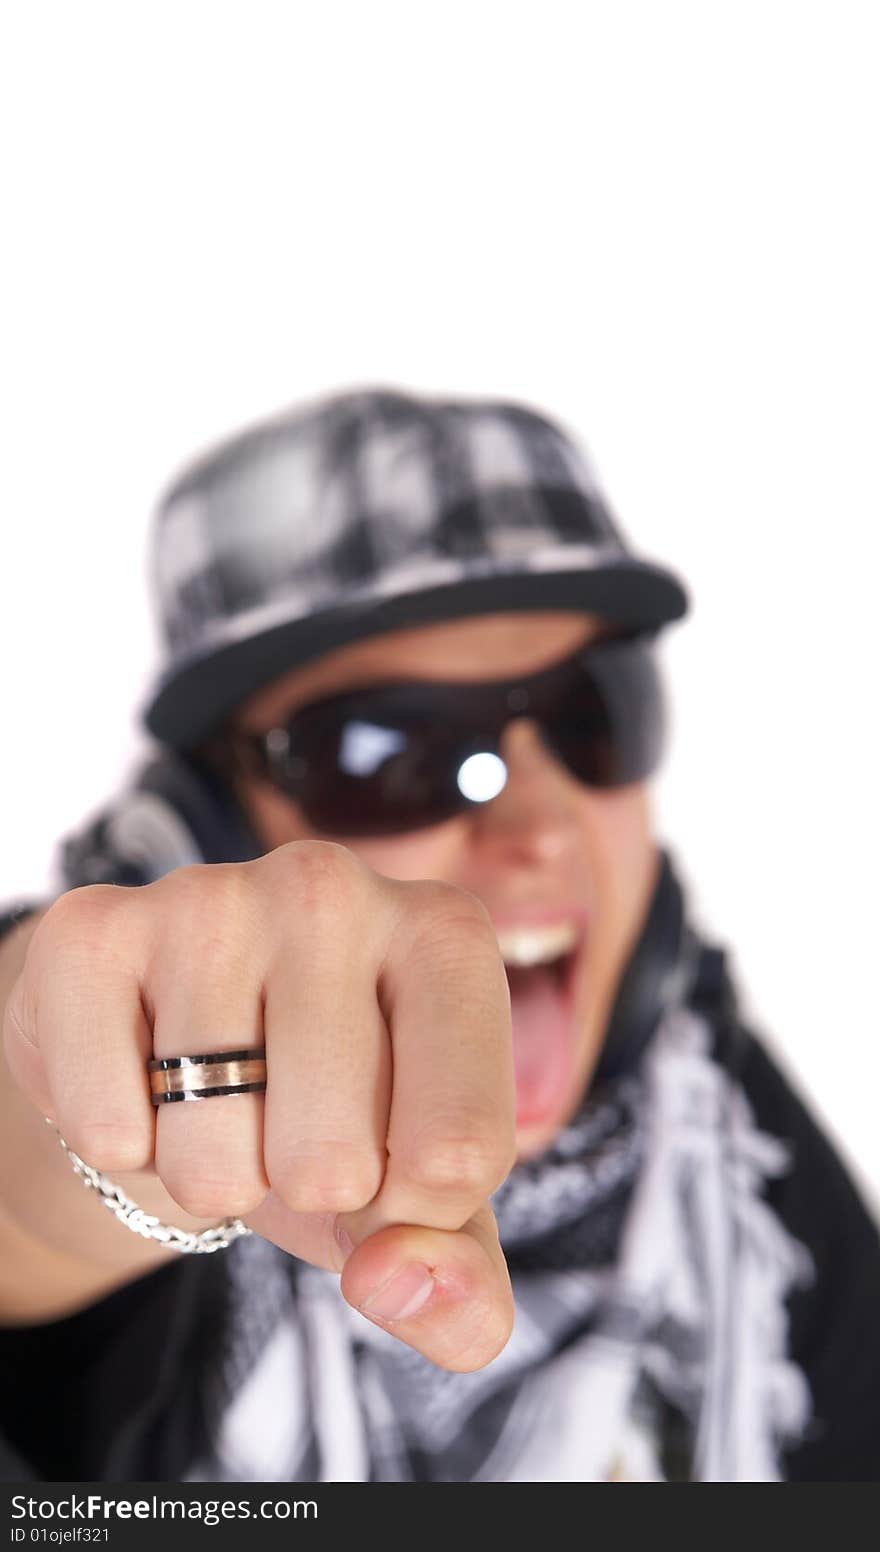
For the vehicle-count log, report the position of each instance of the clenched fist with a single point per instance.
(388, 1117)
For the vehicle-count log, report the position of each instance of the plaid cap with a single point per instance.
(367, 512)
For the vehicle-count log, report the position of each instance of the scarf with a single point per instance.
(650, 1276)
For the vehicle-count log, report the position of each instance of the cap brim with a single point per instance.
(197, 696)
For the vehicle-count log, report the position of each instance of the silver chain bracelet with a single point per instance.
(220, 1237)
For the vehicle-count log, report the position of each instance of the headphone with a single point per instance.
(175, 811)
(178, 811)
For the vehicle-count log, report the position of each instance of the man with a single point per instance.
(409, 714)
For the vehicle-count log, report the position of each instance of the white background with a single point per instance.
(655, 220)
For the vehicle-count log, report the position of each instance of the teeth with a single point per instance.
(524, 946)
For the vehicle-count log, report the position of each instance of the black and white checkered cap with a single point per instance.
(367, 512)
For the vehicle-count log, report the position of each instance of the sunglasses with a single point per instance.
(390, 758)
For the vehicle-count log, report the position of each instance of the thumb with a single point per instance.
(446, 1293)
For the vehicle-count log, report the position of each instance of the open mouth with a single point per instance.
(542, 966)
(523, 979)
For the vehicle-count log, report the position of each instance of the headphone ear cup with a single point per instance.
(174, 813)
(217, 825)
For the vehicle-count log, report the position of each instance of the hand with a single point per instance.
(388, 1120)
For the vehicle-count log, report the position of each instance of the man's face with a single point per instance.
(557, 865)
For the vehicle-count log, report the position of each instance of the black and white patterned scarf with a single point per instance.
(649, 1274)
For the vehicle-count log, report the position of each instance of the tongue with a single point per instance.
(543, 1043)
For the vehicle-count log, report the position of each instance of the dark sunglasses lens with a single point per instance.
(388, 763)
(609, 727)
(376, 777)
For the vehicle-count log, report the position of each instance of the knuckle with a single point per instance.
(325, 879)
(442, 916)
(448, 901)
(213, 1196)
(325, 1177)
(109, 1145)
(470, 1165)
(84, 920)
(321, 865)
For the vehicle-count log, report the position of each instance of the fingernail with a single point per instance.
(402, 1295)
